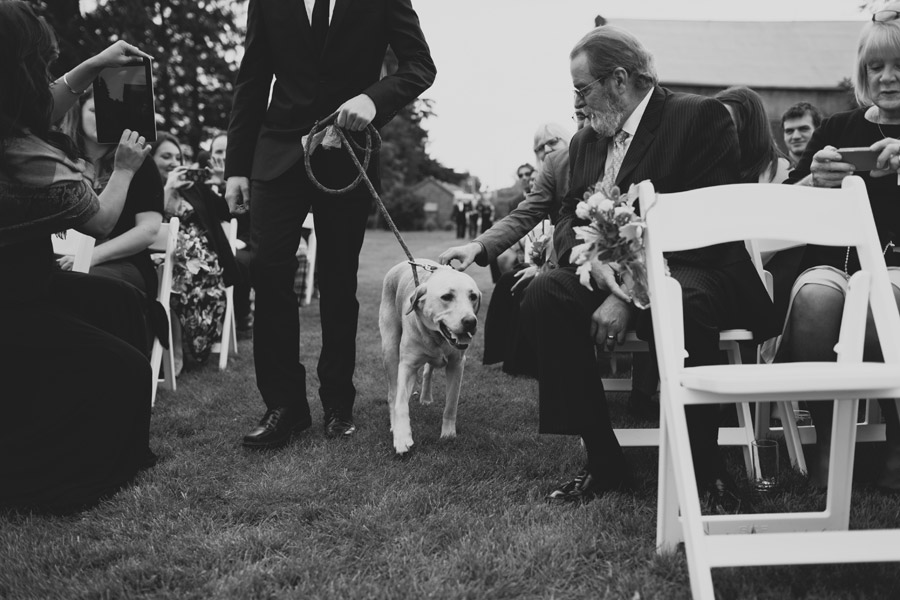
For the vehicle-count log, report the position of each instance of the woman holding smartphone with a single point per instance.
(123, 255)
(204, 262)
(817, 297)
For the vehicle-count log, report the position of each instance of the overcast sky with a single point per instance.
(503, 65)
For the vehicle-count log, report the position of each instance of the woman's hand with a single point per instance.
(604, 277)
(827, 170)
(176, 179)
(120, 54)
(66, 262)
(132, 151)
(888, 158)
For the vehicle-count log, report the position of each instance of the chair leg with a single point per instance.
(668, 529)
(792, 437)
(840, 471)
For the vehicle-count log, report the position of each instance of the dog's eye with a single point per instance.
(447, 297)
(473, 297)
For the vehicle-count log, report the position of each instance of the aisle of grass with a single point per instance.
(346, 519)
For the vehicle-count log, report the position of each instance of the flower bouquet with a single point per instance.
(614, 235)
(540, 243)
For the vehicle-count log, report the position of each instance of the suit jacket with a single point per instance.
(549, 190)
(683, 142)
(264, 137)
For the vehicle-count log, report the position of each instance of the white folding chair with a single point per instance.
(229, 322)
(309, 224)
(165, 244)
(869, 429)
(838, 217)
(77, 244)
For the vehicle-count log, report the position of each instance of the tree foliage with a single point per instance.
(194, 45)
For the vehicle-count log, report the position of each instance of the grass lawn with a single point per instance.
(346, 519)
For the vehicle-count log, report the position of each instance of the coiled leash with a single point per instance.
(350, 145)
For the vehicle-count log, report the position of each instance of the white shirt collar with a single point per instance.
(310, 4)
(634, 119)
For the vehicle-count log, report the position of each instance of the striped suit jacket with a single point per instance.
(683, 142)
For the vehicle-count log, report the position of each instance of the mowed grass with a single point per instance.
(461, 518)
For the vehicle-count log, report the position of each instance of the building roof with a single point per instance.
(782, 54)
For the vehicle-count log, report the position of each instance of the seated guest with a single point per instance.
(123, 255)
(798, 124)
(680, 142)
(204, 263)
(817, 297)
(503, 341)
(761, 160)
(75, 412)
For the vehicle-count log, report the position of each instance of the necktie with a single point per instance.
(615, 161)
(320, 25)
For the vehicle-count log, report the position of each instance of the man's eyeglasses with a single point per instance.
(883, 16)
(580, 92)
(543, 147)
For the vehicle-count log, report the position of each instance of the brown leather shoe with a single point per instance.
(275, 428)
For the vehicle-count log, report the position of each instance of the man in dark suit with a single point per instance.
(325, 56)
(680, 142)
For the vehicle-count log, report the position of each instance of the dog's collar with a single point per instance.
(430, 268)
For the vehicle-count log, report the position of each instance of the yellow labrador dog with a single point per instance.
(425, 327)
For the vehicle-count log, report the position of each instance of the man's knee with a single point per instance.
(267, 272)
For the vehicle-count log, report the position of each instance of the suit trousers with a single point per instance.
(557, 312)
(278, 209)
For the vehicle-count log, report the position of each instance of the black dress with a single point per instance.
(75, 405)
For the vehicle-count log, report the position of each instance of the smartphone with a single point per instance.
(123, 99)
(861, 158)
(197, 175)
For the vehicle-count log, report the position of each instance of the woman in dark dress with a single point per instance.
(124, 254)
(75, 410)
(817, 297)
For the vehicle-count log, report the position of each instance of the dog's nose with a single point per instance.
(469, 324)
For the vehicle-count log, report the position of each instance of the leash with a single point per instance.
(352, 147)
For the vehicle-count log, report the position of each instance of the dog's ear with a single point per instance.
(478, 302)
(415, 298)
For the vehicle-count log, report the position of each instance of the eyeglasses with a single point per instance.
(580, 92)
(543, 146)
(883, 16)
(525, 174)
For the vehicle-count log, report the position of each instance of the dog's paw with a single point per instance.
(402, 446)
(425, 399)
(448, 430)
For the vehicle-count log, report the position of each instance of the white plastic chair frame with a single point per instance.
(80, 245)
(165, 243)
(870, 429)
(229, 322)
(842, 217)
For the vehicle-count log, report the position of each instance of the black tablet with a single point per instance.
(123, 99)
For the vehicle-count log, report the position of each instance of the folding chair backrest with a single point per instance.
(829, 217)
(77, 244)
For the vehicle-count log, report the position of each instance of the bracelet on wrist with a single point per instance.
(65, 79)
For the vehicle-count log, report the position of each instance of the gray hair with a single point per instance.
(547, 132)
(876, 40)
(609, 47)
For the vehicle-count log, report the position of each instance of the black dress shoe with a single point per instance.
(276, 427)
(585, 487)
(339, 427)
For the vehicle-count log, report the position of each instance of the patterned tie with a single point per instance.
(320, 24)
(615, 161)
